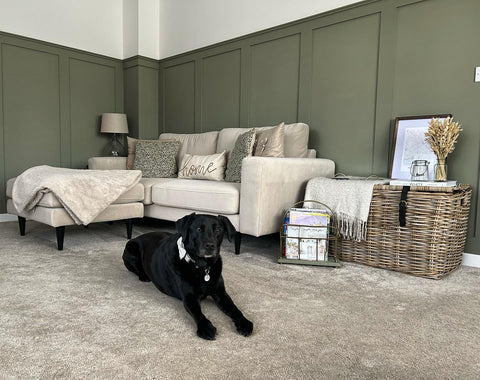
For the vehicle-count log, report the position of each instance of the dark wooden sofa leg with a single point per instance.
(238, 240)
(60, 236)
(129, 223)
(21, 225)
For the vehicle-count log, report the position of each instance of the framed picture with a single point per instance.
(409, 144)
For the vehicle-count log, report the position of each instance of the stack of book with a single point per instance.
(306, 234)
(406, 182)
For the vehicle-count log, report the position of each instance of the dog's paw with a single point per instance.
(244, 327)
(207, 331)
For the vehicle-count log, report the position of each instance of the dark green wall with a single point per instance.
(347, 73)
(51, 100)
(141, 98)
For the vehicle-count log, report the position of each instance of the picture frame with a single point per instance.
(409, 144)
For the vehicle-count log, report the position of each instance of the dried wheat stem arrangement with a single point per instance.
(442, 137)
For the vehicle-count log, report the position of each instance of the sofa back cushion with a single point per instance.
(295, 139)
(270, 142)
(201, 144)
(156, 159)
(243, 148)
(132, 147)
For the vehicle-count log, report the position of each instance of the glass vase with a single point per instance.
(440, 171)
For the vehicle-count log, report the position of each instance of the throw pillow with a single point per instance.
(132, 144)
(203, 167)
(243, 148)
(156, 159)
(270, 142)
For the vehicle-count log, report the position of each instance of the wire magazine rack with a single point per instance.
(322, 239)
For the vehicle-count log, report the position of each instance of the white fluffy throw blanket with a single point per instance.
(349, 199)
(83, 193)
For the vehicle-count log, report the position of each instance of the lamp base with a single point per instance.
(114, 148)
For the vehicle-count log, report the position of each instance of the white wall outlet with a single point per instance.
(477, 74)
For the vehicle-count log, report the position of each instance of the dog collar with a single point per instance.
(182, 253)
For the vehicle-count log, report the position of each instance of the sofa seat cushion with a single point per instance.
(135, 194)
(206, 196)
(148, 183)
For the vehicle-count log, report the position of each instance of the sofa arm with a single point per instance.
(271, 185)
(104, 163)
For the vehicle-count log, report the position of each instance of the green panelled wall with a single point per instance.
(273, 80)
(31, 103)
(141, 98)
(85, 110)
(347, 73)
(51, 101)
(220, 99)
(178, 89)
(341, 102)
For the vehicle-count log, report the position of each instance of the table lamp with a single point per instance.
(114, 123)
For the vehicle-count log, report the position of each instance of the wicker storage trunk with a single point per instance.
(432, 242)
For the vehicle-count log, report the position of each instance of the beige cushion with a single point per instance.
(135, 194)
(211, 167)
(194, 143)
(295, 139)
(156, 158)
(132, 145)
(270, 142)
(207, 196)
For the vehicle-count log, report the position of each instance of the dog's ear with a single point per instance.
(231, 231)
(183, 225)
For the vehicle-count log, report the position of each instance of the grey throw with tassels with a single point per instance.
(349, 199)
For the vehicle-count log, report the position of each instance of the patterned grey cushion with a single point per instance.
(243, 148)
(156, 159)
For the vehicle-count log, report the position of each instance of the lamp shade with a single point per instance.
(114, 123)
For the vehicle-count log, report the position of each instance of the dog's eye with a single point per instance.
(218, 229)
(200, 228)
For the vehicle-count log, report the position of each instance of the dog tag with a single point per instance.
(207, 277)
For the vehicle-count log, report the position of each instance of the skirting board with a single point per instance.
(8, 218)
(469, 259)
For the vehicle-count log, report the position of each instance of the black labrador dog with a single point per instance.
(187, 265)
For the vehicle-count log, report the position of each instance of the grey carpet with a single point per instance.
(80, 314)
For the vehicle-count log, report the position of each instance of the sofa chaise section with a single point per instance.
(49, 211)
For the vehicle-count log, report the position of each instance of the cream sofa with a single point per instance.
(269, 185)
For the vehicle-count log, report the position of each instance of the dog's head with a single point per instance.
(202, 235)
